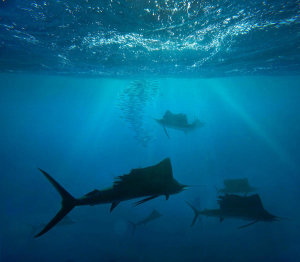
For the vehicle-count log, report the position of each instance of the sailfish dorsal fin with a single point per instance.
(149, 177)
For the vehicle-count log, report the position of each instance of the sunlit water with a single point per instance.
(153, 37)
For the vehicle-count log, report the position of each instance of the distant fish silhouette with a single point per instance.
(150, 182)
(235, 206)
(177, 121)
(152, 216)
(234, 186)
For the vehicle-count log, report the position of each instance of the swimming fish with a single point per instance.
(149, 182)
(152, 216)
(177, 121)
(234, 206)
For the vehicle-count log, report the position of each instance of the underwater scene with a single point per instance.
(149, 130)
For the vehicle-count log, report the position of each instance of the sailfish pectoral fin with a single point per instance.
(145, 200)
(114, 205)
(247, 225)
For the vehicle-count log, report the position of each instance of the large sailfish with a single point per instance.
(149, 182)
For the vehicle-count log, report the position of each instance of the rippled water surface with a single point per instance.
(150, 37)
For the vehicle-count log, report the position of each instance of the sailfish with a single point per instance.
(177, 121)
(234, 206)
(150, 182)
(152, 216)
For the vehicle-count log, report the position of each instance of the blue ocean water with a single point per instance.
(81, 85)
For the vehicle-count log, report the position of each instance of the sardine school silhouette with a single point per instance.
(150, 182)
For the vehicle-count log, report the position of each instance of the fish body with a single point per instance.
(178, 122)
(240, 214)
(150, 182)
(152, 216)
(234, 206)
(181, 127)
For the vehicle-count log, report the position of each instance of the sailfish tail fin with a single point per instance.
(196, 212)
(67, 204)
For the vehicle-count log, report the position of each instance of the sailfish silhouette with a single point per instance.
(150, 182)
(177, 121)
(152, 216)
(234, 206)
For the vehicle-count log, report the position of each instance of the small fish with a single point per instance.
(152, 216)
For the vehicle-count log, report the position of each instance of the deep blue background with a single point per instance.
(73, 128)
